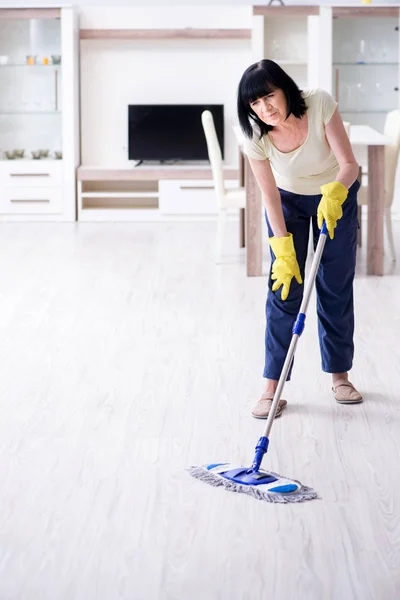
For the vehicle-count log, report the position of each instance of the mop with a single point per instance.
(261, 484)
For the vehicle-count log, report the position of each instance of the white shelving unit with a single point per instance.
(352, 52)
(365, 63)
(39, 112)
(286, 35)
(149, 193)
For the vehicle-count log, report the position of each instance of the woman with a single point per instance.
(302, 159)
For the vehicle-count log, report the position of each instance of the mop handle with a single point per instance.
(297, 328)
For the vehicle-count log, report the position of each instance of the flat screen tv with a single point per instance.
(171, 132)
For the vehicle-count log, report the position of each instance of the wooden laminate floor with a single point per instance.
(126, 355)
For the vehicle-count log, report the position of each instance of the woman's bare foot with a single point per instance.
(339, 376)
(270, 386)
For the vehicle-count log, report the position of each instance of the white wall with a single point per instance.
(117, 73)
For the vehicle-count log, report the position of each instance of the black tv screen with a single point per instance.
(171, 132)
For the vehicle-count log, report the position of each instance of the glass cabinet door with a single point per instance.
(284, 37)
(365, 70)
(30, 84)
(285, 42)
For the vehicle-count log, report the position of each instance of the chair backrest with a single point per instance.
(392, 130)
(347, 126)
(214, 154)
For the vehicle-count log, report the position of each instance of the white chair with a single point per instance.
(392, 130)
(226, 198)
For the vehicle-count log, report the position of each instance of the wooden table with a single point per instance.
(360, 135)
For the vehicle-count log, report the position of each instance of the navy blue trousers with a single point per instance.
(334, 286)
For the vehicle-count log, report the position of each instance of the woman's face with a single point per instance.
(271, 108)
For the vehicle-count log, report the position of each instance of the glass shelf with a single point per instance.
(365, 64)
(294, 63)
(39, 65)
(364, 112)
(36, 160)
(30, 112)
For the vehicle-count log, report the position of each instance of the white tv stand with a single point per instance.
(170, 163)
(148, 192)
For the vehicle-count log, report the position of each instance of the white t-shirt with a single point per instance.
(305, 169)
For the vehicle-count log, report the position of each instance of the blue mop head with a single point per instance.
(260, 484)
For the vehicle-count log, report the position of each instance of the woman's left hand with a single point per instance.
(330, 206)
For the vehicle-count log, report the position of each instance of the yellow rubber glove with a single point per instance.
(330, 206)
(285, 265)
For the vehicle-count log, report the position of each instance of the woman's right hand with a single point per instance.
(285, 265)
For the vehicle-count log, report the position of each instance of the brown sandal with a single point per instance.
(263, 406)
(346, 393)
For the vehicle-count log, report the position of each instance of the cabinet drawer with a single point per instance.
(187, 197)
(32, 173)
(31, 201)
